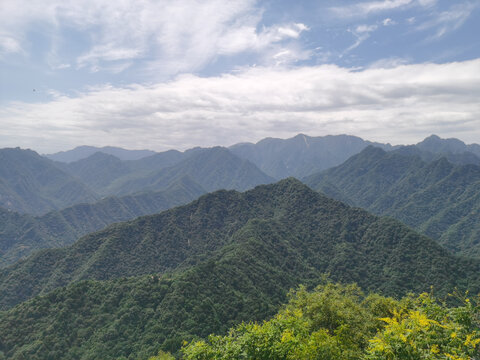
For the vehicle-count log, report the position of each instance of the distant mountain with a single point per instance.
(30, 183)
(438, 198)
(82, 152)
(460, 158)
(212, 168)
(20, 235)
(100, 170)
(435, 144)
(301, 155)
(233, 255)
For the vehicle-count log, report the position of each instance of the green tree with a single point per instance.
(332, 322)
(429, 331)
(162, 356)
(340, 323)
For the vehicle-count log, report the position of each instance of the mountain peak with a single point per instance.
(84, 151)
(432, 137)
(436, 145)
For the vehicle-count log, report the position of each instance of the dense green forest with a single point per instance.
(223, 259)
(336, 322)
(225, 263)
(437, 198)
(378, 253)
(20, 235)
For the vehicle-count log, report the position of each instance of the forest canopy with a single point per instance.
(340, 322)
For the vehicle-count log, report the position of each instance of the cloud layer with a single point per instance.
(169, 37)
(399, 104)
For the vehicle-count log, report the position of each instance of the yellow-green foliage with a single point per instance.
(162, 356)
(341, 323)
(429, 331)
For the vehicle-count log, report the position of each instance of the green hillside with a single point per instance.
(100, 170)
(30, 183)
(227, 257)
(311, 232)
(336, 322)
(20, 235)
(213, 169)
(438, 198)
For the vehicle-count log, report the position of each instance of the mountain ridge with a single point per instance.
(437, 198)
(20, 235)
(256, 246)
(83, 151)
(186, 235)
(30, 183)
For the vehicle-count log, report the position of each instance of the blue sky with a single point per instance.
(176, 74)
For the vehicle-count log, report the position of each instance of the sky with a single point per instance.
(157, 74)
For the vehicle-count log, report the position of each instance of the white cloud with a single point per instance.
(172, 36)
(388, 63)
(63, 66)
(400, 104)
(366, 8)
(427, 3)
(449, 20)
(361, 33)
(9, 45)
(388, 22)
(247, 38)
(360, 29)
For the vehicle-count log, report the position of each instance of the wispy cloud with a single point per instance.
(404, 103)
(388, 22)
(450, 20)
(365, 8)
(361, 33)
(169, 37)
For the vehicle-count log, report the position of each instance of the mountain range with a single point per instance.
(81, 152)
(301, 155)
(438, 198)
(22, 234)
(79, 281)
(30, 183)
(102, 175)
(200, 268)
(143, 187)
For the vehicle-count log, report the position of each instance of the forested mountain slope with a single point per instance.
(233, 255)
(20, 235)
(351, 244)
(438, 198)
(100, 170)
(213, 169)
(30, 183)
